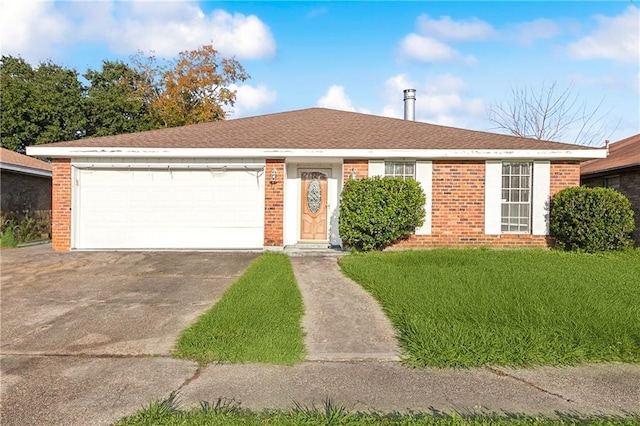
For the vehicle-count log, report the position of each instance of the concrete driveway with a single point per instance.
(84, 324)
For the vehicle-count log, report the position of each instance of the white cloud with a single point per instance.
(31, 29)
(528, 33)
(448, 29)
(252, 100)
(616, 38)
(427, 49)
(336, 98)
(441, 99)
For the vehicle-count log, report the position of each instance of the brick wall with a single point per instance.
(458, 207)
(20, 192)
(61, 205)
(274, 204)
(564, 175)
(630, 186)
(361, 168)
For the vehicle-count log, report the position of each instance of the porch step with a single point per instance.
(314, 250)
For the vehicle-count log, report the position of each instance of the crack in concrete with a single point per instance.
(501, 373)
(195, 375)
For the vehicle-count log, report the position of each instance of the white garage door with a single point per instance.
(168, 208)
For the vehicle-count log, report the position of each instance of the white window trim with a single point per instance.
(424, 176)
(541, 190)
(493, 197)
(540, 199)
(376, 168)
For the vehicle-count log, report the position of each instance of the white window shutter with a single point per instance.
(540, 197)
(492, 197)
(424, 174)
(376, 168)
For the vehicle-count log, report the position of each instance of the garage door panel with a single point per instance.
(169, 209)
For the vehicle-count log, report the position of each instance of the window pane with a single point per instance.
(514, 196)
(410, 169)
(388, 169)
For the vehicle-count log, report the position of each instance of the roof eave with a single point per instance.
(457, 154)
(25, 170)
(618, 169)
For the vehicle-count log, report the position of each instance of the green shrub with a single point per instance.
(591, 219)
(17, 228)
(376, 212)
(7, 235)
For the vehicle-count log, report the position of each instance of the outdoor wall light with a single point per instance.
(353, 175)
(274, 175)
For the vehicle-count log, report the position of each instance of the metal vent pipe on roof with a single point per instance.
(410, 104)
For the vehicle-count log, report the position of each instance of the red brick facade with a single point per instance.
(61, 205)
(274, 204)
(457, 198)
(458, 207)
(360, 167)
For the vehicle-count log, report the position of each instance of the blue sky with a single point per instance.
(462, 57)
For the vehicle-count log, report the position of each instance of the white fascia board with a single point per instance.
(171, 165)
(430, 154)
(25, 170)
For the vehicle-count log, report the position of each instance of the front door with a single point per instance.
(314, 205)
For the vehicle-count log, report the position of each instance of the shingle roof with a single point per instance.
(317, 128)
(13, 158)
(622, 154)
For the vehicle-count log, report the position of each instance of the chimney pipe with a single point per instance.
(410, 104)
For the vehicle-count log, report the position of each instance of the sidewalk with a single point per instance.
(604, 389)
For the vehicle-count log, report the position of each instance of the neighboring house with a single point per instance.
(275, 180)
(620, 171)
(25, 186)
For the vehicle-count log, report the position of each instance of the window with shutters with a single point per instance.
(516, 197)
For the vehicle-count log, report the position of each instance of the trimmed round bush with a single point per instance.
(591, 219)
(376, 212)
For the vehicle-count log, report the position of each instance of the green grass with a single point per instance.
(166, 413)
(464, 308)
(258, 319)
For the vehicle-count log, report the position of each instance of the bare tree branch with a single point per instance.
(551, 114)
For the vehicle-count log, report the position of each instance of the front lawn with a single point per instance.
(464, 308)
(258, 319)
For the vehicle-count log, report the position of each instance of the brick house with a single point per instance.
(274, 180)
(25, 184)
(621, 171)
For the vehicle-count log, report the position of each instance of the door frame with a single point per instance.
(327, 171)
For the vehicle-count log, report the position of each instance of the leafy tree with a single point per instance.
(17, 94)
(40, 105)
(551, 113)
(193, 88)
(112, 105)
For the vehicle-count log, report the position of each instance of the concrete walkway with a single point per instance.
(342, 321)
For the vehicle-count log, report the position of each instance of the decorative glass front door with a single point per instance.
(313, 200)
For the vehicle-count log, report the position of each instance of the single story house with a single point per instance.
(620, 171)
(25, 184)
(271, 181)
